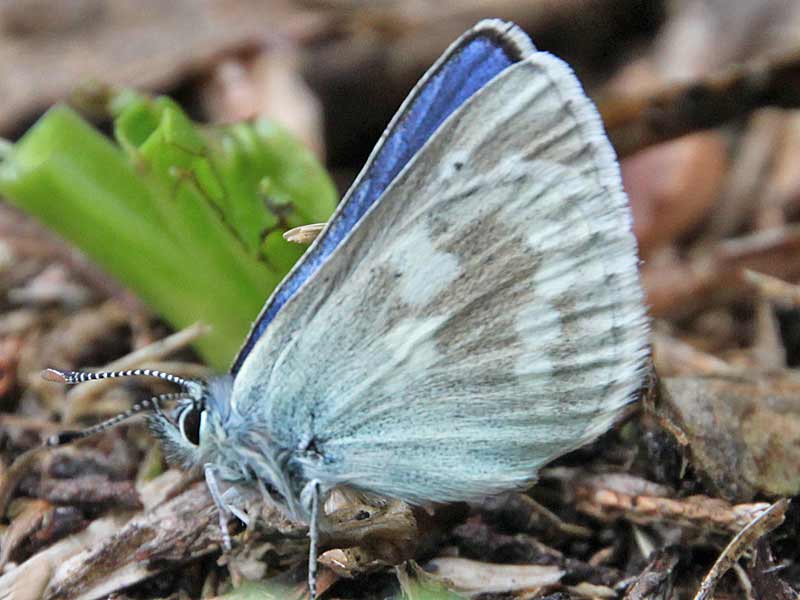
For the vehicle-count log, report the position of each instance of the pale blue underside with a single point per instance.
(482, 318)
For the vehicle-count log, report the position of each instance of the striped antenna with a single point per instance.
(154, 403)
(70, 377)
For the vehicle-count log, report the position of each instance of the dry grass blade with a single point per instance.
(759, 526)
(715, 275)
(570, 529)
(673, 356)
(782, 293)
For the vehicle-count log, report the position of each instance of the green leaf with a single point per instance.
(189, 217)
(427, 591)
(418, 584)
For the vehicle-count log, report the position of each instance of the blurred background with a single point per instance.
(699, 99)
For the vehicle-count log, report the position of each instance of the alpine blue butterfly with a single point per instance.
(471, 311)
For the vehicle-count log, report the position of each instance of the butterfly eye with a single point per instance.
(189, 423)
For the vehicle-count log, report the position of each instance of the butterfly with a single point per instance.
(471, 311)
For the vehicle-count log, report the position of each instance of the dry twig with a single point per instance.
(774, 289)
(759, 526)
(609, 497)
(639, 122)
(714, 276)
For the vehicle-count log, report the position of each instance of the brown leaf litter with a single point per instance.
(686, 498)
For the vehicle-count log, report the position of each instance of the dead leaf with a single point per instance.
(743, 435)
(476, 577)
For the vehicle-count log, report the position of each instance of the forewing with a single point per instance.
(467, 65)
(484, 317)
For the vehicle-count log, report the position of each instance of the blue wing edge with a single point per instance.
(466, 66)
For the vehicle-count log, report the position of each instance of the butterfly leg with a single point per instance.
(313, 532)
(222, 507)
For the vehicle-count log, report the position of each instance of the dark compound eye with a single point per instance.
(189, 422)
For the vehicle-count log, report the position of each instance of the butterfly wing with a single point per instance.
(484, 316)
(467, 65)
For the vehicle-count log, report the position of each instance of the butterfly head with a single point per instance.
(188, 431)
(202, 431)
(185, 430)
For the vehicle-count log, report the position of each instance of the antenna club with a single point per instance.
(55, 376)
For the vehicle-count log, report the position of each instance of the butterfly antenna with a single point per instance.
(71, 377)
(193, 390)
(154, 403)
